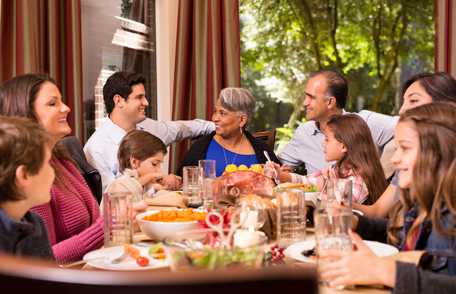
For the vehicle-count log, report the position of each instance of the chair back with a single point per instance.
(91, 175)
(267, 136)
(20, 275)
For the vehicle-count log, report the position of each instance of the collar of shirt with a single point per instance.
(316, 125)
(14, 227)
(114, 131)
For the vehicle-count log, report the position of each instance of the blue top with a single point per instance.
(223, 157)
(27, 237)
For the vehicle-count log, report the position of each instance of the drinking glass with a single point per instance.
(117, 214)
(192, 185)
(341, 190)
(207, 193)
(332, 224)
(207, 168)
(291, 216)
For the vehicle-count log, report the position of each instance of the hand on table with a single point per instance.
(360, 267)
(172, 182)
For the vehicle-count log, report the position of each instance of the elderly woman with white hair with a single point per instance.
(231, 143)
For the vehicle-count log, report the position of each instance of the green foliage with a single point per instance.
(125, 7)
(377, 44)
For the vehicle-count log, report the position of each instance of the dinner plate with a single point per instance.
(295, 250)
(101, 259)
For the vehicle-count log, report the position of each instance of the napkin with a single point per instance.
(167, 198)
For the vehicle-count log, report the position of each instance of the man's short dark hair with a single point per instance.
(337, 85)
(120, 83)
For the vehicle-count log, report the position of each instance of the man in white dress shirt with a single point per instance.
(325, 95)
(125, 101)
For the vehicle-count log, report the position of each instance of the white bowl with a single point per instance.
(160, 230)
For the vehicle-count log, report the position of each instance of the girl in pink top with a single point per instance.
(349, 144)
(72, 217)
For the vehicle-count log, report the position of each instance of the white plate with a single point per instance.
(101, 259)
(294, 251)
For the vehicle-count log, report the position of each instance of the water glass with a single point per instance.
(291, 216)
(117, 214)
(332, 224)
(207, 168)
(191, 185)
(341, 190)
(207, 193)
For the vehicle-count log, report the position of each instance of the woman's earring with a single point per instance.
(240, 129)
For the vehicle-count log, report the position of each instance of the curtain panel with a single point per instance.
(44, 36)
(207, 59)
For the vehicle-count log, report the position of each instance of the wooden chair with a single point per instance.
(20, 275)
(267, 136)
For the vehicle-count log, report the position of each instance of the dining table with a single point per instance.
(323, 289)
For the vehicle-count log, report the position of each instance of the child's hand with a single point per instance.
(150, 178)
(157, 187)
(287, 168)
(275, 169)
(171, 182)
(360, 267)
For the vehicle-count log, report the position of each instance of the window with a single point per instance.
(116, 35)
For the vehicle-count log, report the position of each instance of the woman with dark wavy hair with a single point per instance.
(424, 219)
(72, 217)
(420, 89)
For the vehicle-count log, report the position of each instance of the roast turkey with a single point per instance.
(244, 182)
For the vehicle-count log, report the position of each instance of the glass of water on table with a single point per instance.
(192, 185)
(207, 177)
(332, 224)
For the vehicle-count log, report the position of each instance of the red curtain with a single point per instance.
(44, 36)
(207, 59)
(445, 48)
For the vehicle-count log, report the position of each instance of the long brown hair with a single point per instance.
(445, 199)
(362, 154)
(17, 98)
(435, 125)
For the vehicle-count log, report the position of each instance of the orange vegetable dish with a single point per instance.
(185, 215)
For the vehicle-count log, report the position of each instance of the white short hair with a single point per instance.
(238, 99)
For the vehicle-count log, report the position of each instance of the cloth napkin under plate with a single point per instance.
(167, 198)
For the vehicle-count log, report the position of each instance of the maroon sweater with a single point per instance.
(72, 217)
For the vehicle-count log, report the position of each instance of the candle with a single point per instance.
(249, 219)
(246, 238)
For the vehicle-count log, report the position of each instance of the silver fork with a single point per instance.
(275, 176)
(119, 258)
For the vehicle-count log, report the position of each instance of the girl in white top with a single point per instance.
(140, 158)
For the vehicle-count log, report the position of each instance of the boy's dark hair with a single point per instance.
(337, 85)
(22, 142)
(120, 83)
(140, 145)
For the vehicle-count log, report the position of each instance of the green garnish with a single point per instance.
(155, 248)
